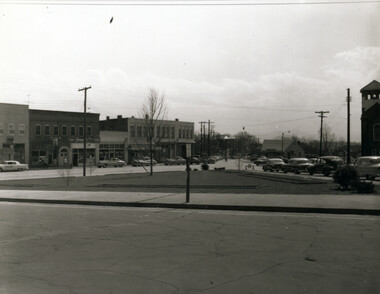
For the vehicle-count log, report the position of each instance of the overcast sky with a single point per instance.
(266, 67)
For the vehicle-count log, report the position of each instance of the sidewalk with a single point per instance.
(334, 204)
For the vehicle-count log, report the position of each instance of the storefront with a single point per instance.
(77, 154)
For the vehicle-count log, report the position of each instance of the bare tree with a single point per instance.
(328, 138)
(153, 111)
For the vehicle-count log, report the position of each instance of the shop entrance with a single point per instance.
(63, 158)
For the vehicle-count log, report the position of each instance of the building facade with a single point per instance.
(14, 132)
(57, 138)
(170, 137)
(370, 119)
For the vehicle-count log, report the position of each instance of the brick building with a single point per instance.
(57, 137)
(171, 137)
(14, 132)
(370, 119)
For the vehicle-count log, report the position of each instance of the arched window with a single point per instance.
(376, 132)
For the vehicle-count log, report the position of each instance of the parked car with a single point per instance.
(273, 164)
(175, 161)
(261, 160)
(116, 162)
(325, 165)
(296, 165)
(313, 160)
(144, 161)
(12, 165)
(195, 160)
(368, 166)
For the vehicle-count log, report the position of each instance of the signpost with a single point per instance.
(188, 155)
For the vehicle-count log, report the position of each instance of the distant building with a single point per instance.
(132, 141)
(14, 132)
(370, 119)
(57, 137)
(286, 148)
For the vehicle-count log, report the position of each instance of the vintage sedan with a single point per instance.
(116, 162)
(260, 160)
(144, 161)
(325, 165)
(175, 161)
(368, 166)
(12, 165)
(274, 164)
(296, 165)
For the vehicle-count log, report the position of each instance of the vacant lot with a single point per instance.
(200, 182)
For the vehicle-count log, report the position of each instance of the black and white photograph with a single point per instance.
(189, 146)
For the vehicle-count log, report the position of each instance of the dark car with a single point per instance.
(296, 165)
(325, 165)
(273, 164)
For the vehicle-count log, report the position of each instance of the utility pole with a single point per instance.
(202, 128)
(208, 144)
(85, 129)
(348, 127)
(321, 116)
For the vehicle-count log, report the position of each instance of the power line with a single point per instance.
(281, 121)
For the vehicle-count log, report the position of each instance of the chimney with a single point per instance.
(119, 117)
(108, 118)
(176, 119)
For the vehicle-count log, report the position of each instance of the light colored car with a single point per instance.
(368, 166)
(116, 162)
(273, 164)
(13, 165)
(296, 165)
(175, 161)
(144, 161)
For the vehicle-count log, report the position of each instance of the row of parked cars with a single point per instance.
(366, 166)
(145, 161)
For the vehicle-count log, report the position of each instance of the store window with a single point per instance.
(81, 131)
(139, 131)
(38, 130)
(21, 130)
(47, 130)
(56, 130)
(11, 129)
(72, 131)
(133, 131)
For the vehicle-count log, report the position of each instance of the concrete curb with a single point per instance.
(349, 211)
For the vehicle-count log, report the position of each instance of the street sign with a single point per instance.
(188, 150)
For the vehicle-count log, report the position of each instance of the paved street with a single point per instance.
(71, 249)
